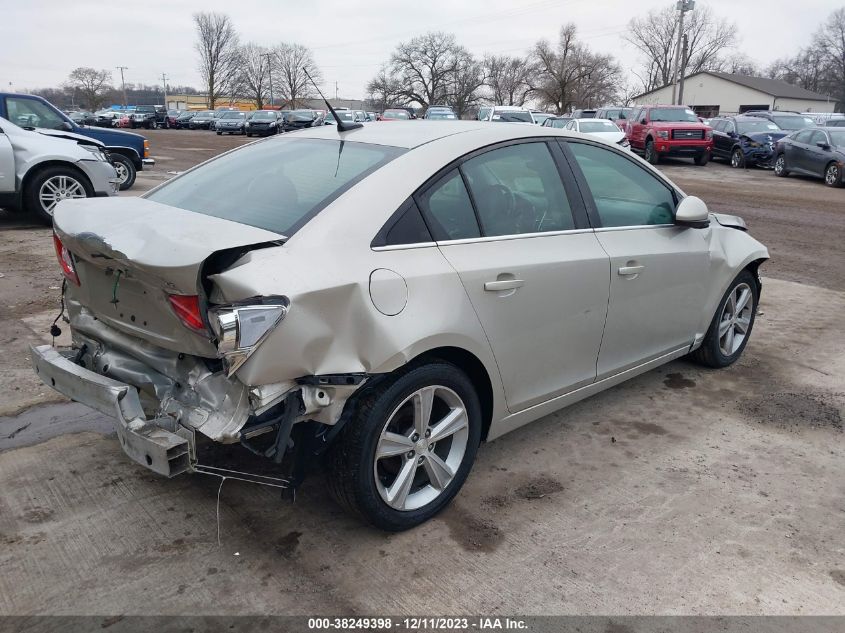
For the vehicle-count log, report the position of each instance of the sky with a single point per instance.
(43, 40)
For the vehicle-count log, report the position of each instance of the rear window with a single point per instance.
(277, 185)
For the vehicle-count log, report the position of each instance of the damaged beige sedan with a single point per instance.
(381, 300)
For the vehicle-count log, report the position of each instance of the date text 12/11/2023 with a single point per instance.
(417, 623)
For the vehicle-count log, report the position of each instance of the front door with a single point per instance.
(537, 280)
(7, 165)
(658, 271)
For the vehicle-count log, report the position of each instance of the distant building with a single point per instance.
(712, 93)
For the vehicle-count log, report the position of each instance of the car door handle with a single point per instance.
(503, 284)
(627, 271)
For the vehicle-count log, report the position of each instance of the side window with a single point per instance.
(719, 126)
(32, 113)
(817, 137)
(517, 189)
(408, 228)
(804, 136)
(729, 127)
(625, 194)
(449, 208)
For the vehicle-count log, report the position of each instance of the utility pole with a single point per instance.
(684, 54)
(683, 6)
(269, 70)
(164, 84)
(123, 82)
(335, 91)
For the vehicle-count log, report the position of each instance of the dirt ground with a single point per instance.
(682, 491)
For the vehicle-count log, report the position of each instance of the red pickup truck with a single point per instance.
(662, 130)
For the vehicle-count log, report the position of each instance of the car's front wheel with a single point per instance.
(52, 185)
(409, 448)
(651, 154)
(780, 166)
(737, 158)
(731, 326)
(702, 159)
(833, 175)
(125, 169)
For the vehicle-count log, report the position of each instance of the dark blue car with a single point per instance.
(127, 151)
(745, 140)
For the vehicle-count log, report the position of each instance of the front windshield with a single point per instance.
(263, 115)
(673, 115)
(837, 137)
(515, 116)
(275, 186)
(597, 126)
(395, 114)
(208, 114)
(303, 115)
(232, 115)
(793, 121)
(343, 115)
(754, 127)
(560, 123)
(441, 115)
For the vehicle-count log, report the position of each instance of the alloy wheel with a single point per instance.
(122, 171)
(59, 188)
(421, 448)
(831, 174)
(736, 159)
(735, 320)
(780, 165)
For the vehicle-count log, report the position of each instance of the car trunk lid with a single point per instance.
(132, 253)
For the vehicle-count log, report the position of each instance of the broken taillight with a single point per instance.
(65, 261)
(187, 308)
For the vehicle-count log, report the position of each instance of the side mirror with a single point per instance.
(67, 126)
(824, 146)
(692, 212)
(643, 122)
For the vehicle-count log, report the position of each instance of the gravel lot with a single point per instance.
(682, 491)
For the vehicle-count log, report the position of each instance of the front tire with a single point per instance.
(125, 169)
(780, 166)
(702, 159)
(737, 158)
(651, 154)
(52, 185)
(833, 175)
(731, 326)
(409, 448)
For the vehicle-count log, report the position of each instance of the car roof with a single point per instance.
(411, 134)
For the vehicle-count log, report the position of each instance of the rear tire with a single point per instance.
(56, 181)
(732, 324)
(651, 154)
(779, 168)
(388, 421)
(125, 169)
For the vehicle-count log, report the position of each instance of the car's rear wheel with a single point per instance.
(52, 185)
(731, 326)
(125, 169)
(409, 448)
(737, 158)
(651, 154)
(833, 175)
(780, 166)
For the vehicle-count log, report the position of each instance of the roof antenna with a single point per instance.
(341, 126)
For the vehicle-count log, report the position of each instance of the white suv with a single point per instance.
(39, 170)
(510, 114)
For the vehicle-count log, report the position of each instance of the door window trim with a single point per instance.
(587, 195)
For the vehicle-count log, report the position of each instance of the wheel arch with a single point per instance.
(36, 169)
(130, 153)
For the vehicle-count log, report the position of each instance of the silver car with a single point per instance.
(38, 169)
(388, 297)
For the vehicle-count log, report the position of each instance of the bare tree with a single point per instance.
(571, 75)
(384, 90)
(739, 64)
(466, 83)
(91, 85)
(290, 63)
(510, 79)
(254, 73)
(424, 66)
(830, 40)
(217, 45)
(655, 35)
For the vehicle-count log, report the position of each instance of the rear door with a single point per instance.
(637, 128)
(535, 273)
(722, 142)
(658, 271)
(797, 154)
